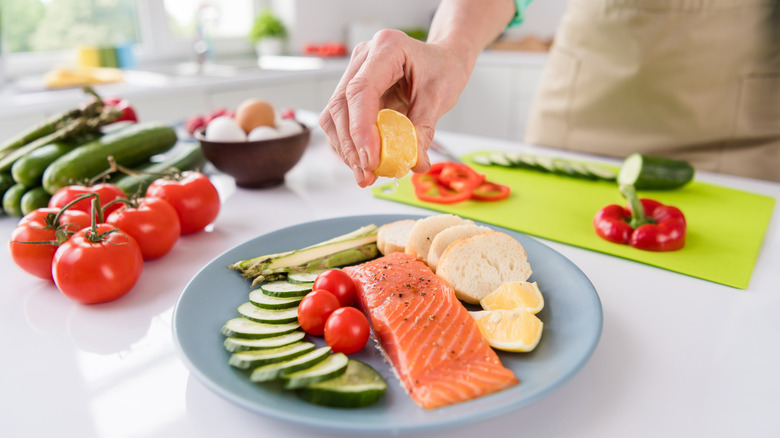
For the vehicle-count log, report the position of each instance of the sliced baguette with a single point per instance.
(445, 237)
(392, 237)
(423, 232)
(477, 265)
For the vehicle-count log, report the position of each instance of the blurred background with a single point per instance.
(178, 56)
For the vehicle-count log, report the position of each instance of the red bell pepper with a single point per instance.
(646, 224)
(123, 105)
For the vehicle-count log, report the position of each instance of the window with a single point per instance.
(39, 25)
(39, 34)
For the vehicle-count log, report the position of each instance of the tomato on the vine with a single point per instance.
(339, 284)
(97, 264)
(192, 195)
(347, 330)
(38, 235)
(152, 222)
(108, 192)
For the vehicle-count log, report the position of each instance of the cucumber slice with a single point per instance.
(482, 160)
(304, 277)
(654, 173)
(285, 289)
(500, 159)
(268, 316)
(235, 345)
(514, 158)
(601, 172)
(563, 167)
(273, 371)
(247, 329)
(580, 171)
(254, 358)
(545, 164)
(333, 366)
(260, 299)
(359, 386)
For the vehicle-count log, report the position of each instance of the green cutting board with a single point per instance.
(726, 227)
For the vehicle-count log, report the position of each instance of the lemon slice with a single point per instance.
(515, 330)
(513, 295)
(398, 150)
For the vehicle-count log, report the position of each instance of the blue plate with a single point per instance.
(572, 319)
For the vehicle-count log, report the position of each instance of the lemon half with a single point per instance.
(398, 148)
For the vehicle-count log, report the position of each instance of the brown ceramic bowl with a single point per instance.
(256, 164)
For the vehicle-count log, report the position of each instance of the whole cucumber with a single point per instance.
(29, 169)
(33, 199)
(12, 200)
(189, 158)
(6, 182)
(129, 147)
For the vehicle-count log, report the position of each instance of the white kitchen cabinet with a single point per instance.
(497, 99)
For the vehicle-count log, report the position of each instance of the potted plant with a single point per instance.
(268, 34)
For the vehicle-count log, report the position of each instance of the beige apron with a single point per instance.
(697, 80)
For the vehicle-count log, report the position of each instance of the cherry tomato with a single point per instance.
(152, 222)
(314, 310)
(108, 192)
(339, 284)
(192, 195)
(97, 265)
(346, 330)
(42, 225)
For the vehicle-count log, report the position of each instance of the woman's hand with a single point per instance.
(421, 80)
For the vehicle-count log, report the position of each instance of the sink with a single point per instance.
(228, 69)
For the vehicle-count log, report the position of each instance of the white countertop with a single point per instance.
(679, 356)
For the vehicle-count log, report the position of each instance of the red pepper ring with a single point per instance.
(647, 224)
(488, 191)
(449, 182)
(427, 188)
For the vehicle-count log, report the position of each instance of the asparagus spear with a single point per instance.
(354, 247)
(90, 120)
(41, 130)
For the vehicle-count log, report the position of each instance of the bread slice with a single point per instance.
(426, 229)
(392, 237)
(445, 237)
(478, 265)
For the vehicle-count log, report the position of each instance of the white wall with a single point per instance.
(317, 21)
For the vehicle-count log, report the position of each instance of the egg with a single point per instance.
(262, 133)
(252, 113)
(288, 127)
(224, 128)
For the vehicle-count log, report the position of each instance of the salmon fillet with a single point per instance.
(432, 342)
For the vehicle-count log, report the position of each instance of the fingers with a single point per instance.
(392, 70)
(334, 120)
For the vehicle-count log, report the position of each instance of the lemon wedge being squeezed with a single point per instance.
(398, 148)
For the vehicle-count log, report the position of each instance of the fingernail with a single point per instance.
(358, 173)
(363, 156)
